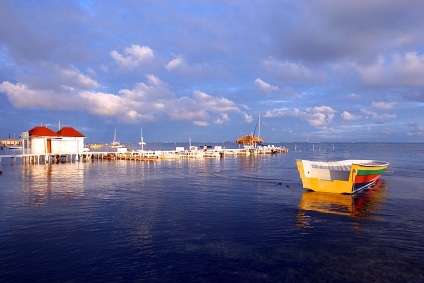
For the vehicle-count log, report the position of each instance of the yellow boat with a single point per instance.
(95, 146)
(345, 177)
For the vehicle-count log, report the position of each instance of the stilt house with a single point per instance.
(67, 140)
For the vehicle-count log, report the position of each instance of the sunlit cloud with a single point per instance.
(264, 86)
(54, 77)
(396, 70)
(383, 105)
(104, 104)
(149, 101)
(319, 116)
(175, 63)
(22, 96)
(179, 65)
(349, 117)
(132, 56)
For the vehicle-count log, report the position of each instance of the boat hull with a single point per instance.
(346, 177)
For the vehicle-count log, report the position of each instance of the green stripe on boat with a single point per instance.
(371, 172)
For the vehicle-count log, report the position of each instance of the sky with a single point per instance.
(209, 71)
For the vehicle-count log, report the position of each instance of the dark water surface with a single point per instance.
(232, 219)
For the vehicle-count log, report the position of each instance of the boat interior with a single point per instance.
(335, 170)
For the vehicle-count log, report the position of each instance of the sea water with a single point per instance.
(231, 219)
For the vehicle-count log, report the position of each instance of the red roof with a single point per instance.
(40, 131)
(69, 132)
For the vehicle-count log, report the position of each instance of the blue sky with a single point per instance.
(322, 70)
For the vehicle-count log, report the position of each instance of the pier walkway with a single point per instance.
(139, 155)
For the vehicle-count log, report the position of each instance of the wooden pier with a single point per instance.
(150, 155)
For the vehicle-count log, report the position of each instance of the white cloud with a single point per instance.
(264, 86)
(383, 105)
(319, 119)
(23, 96)
(49, 86)
(376, 117)
(320, 116)
(175, 63)
(321, 109)
(276, 113)
(133, 56)
(103, 104)
(50, 76)
(222, 119)
(149, 100)
(248, 118)
(153, 99)
(73, 76)
(349, 117)
(396, 70)
(292, 72)
(215, 104)
(181, 66)
(153, 90)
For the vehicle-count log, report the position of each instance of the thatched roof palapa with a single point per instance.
(249, 139)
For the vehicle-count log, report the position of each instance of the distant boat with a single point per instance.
(115, 143)
(14, 147)
(10, 143)
(95, 146)
(345, 177)
(141, 142)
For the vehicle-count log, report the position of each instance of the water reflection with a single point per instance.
(42, 183)
(362, 205)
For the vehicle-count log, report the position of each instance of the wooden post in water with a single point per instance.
(1, 172)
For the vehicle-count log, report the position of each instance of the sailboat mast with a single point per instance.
(259, 126)
(141, 142)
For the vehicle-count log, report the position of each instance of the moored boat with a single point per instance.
(115, 143)
(346, 176)
(95, 146)
(141, 142)
(14, 147)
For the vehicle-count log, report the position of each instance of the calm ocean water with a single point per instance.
(232, 219)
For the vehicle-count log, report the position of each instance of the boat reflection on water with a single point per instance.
(360, 205)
